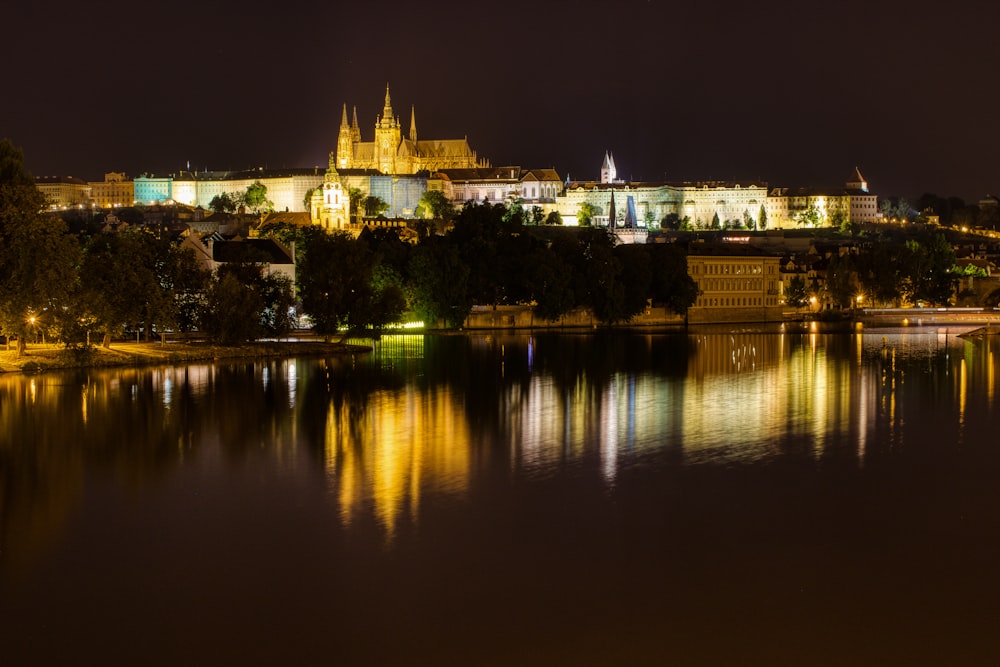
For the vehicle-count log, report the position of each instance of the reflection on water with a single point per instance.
(415, 417)
(450, 437)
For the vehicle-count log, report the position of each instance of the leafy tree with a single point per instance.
(255, 198)
(808, 217)
(439, 283)
(127, 282)
(243, 303)
(374, 206)
(553, 218)
(585, 214)
(535, 215)
(549, 283)
(671, 284)
(748, 220)
(343, 285)
(796, 296)
(435, 204)
(307, 199)
(355, 196)
(840, 281)
(716, 223)
(636, 278)
(226, 202)
(762, 218)
(37, 255)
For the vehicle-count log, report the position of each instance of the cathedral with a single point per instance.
(392, 153)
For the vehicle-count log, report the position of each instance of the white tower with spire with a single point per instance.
(608, 172)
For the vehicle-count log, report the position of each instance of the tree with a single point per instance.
(436, 205)
(796, 296)
(537, 216)
(355, 196)
(127, 282)
(374, 206)
(716, 224)
(808, 217)
(671, 284)
(585, 213)
(762, 218)
(37, 255)
(343, 284)
(226, 202)
(307, 199)
(244, 303)
(439, 283)
(255, 198)
(553, 218)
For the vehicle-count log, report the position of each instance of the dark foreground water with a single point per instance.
(716, 498)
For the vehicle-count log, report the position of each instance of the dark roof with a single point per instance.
(253, 250)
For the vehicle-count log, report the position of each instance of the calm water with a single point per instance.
(758, 497)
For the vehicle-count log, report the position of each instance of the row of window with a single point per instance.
(735, 302)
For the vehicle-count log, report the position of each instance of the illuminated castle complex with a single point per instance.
(392, 153)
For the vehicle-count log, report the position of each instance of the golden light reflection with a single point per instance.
(382, 457)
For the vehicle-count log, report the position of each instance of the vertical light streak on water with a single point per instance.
(83, 406)
(293, 377)
(32, 391)
(608, 435)
(991, 376)
(962, 394)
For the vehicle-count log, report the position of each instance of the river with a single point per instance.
(768, 495)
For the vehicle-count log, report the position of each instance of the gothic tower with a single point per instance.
(388, 136)
(345, 143)
(413, 124)
(608, 172)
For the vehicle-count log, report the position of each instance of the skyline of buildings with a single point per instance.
(399, 168)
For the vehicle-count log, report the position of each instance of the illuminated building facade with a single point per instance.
(114, 191)
(738, 283)
(392, 153)
(286, 188)
(498, 185)
(64, 191)
(726, 204)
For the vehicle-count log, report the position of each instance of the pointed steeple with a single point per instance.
(355, 128)
(387, 116)
(608, 172)
(413, 123)
(343, 117)
(857, 181)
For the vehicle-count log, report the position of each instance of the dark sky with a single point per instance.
(794, 93)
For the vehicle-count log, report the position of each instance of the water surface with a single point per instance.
(762, 496)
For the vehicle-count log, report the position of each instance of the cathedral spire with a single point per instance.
(387, 109)
(355, 128)
(413, 123)
(343, 117)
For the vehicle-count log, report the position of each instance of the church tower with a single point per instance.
(345, 143)
(857, 181)
(330, 207)
(413, 124)
(388, 136)
(608, 172)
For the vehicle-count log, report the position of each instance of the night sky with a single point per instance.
(786, 92)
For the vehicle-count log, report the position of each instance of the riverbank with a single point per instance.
(39, 358)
